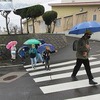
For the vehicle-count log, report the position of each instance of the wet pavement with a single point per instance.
(16, 83)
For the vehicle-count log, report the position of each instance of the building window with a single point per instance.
(58, 22)
(68, 22)
(94, 17)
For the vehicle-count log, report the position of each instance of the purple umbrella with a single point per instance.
(41, 48)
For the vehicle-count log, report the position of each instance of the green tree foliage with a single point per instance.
(34, 12)
(22, 13)
(30, 13)
(49, 17)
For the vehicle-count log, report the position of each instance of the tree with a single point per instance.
(23, 13)
(5, 15)
(34, 12)
(50, 17)
(18, 12)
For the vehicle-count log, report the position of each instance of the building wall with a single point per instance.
(68, 16)
(77, 15)
(39, 24)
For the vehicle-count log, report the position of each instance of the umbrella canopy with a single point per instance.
(82, 27)
(41, 48)
(26, 48)
(10, 44)
(32, 41)
(42, 41)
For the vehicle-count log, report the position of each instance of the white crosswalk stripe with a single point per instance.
(66, 86)
(59, 64)
(62, 71)
(58, 69)
(93, 97)
(64, 75)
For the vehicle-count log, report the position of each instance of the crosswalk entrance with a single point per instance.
(58, 85)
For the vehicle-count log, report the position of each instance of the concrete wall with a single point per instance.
(58, 40)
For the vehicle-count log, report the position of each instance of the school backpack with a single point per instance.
(32, 53)
(75, 45)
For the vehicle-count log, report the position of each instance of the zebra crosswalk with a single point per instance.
(57, 80)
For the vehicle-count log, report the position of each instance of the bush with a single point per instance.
(4, 53)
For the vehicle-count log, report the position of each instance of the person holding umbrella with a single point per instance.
(33, 54)
(39, 55)
(22, 53)
(46, 56)
(82, 55)
(13, 53)
(12, 47)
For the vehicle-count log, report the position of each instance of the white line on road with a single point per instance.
(90, 97)
(67, 86)
(63, 75)
(59, 69)
(53, 65)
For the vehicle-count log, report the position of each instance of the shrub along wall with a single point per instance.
(58, 40)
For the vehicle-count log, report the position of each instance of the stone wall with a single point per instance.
(58, 40)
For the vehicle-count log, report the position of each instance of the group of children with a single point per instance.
(34, 55)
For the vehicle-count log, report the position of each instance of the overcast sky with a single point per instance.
(15, 19)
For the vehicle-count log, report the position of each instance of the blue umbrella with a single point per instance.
(42, 41)
(22, 51)
(41, 48)
(26, 48)
(82, 27)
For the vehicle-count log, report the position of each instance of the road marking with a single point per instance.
(63, 75)
(53, 65)
(59, 69)
(90, 97)
(67, 86)
(27, 66)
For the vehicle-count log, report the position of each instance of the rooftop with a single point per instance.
(76, 4)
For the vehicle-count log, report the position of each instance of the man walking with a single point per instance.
(82, 55)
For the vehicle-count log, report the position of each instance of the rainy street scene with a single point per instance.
(49, 50)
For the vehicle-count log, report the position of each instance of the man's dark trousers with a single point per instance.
(86, 64)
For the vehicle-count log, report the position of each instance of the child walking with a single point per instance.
(33, 54)
(46, 56)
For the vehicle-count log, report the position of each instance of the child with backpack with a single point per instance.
(33, 54)
(46, 56)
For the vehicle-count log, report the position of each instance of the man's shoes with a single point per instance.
(74, 78)
(92, 82)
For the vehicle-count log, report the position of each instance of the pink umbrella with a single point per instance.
(10, 44)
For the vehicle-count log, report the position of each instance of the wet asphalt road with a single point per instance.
(24, 88)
